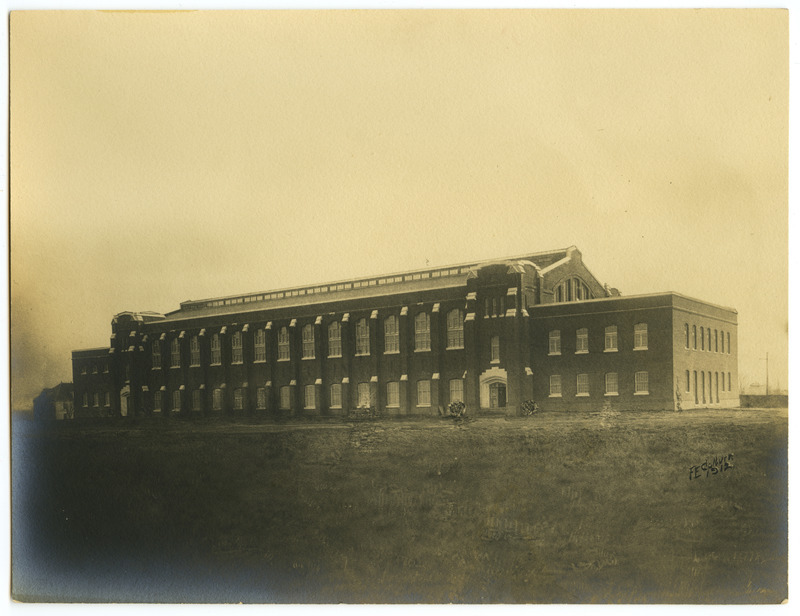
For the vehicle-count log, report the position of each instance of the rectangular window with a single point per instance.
(236, 348)
(640, 336)
(197, 400)
(310, 397)
(729, 381)
(335, 339)
(729, 342)
(260, 346)
(640, 383)
(582, 385)
(555, 386)
(423, 393)
(391, 335)
(688, 382)
(285, 398)
(694, 337)
(582, 341)
(611, 338)
(156, 356)
(83, 368)
(176, 400)
(336, 396)
(216, 400)
(96, 399)
(495, 350)
(175, 354)
(393, 394)
(362, 337)
(238, 399)
(708, 337)
(308, 342)
(455, 329)
(216, 350)
(108, 394)
(261, 397)
(194, 351)
(555, 342)
(284, 353)
(612, 386)
(422, 332)
(364, 399)
(716, 385)
(457, 390)
(157, 401)
(686, 333)
(702, 339)
(716, 341)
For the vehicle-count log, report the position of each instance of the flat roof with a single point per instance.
(629, 297)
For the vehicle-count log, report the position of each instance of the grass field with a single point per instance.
(557, 508)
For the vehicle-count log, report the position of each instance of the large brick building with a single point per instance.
(493, 334)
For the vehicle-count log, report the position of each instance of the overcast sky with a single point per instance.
(160, 157)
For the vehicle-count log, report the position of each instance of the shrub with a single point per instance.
(456, 409)
(529, 407)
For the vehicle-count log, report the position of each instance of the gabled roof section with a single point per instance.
(398, 282)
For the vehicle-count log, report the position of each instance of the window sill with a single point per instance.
(455, 348)
(552, 354)
(153, 368)
(611, 394)
(495, 362)
(422, 350)
(639, 348)
(554, 396)
(610, 350)
(361, 355)
(194, 365)
(336, 406)
(581, 395)
(259, 361)
(392, 406)
(219, 364)
(335, 357)
(307, 358)
(423, 406)
(391, 352)
(641, 393)
(237, 363)
(581, 352)
(285, 360)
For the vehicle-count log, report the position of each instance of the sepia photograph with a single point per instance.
(369, 306)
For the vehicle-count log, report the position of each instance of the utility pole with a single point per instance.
(766, 359)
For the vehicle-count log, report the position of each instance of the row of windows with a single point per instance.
(720, 342)
(703, 385)
(610, 339)
(343, 286)
(611, 384)
(95, 368)
(309, 396)
(422, 341)
(97, 398)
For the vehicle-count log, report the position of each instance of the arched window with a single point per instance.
(612, 384)
(554, 344)
(455, 329)
(216, 400)
(308, 341)
(261, 397)
(582, 340)
(391, 335)
(694, 338)
(716, 341)
(423, 393)
(197, 400)
(236, 348)
(335, 339)
(686, 332)
(422, 332)
(456, 390)
(285, 398)
(702, 339)
(284, 353)
(708, 337)
(176, 400)
(336, 396)
(238, 399)
(157, 401)
(362, 337)
(729, 343)
(611, 338)
(216, 350)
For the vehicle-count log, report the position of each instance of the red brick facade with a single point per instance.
(410, 343)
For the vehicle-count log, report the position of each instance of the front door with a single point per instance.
(497, 396)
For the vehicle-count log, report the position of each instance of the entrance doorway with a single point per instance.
(124, 399)
(497, 396)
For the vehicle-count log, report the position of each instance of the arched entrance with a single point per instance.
(493, 384)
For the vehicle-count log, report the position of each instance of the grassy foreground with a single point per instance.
(556, 508)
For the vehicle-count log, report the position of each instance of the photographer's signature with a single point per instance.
(718, 464)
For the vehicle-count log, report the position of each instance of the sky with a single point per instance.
(160, 157)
